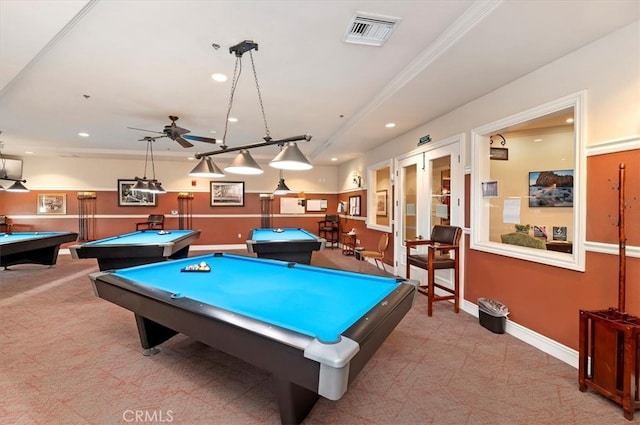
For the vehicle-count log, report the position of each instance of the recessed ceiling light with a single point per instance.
(221, 78)
(82, 134)
(213, 131)
(232, 119)
(190, 158)
(569, 120)
(537, 140)
(29, 152)
(334, 159)
(390, 125)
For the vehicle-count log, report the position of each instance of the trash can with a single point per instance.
(492, 315)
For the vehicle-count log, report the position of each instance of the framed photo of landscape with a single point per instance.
(551, 188)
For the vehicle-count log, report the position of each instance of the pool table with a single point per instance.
(313, 328)
(32, 247)
(142, 247)
(287, 244)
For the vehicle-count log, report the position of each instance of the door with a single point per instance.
(429, 191)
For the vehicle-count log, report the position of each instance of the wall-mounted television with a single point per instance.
(10, 168)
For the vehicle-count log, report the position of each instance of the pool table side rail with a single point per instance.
(43, 250)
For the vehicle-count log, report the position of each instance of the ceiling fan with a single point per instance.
(176, 133)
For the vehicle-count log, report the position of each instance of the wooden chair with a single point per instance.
(329, 229)
(378, 255)
(154, 221)
(5, 224)
(443, 242)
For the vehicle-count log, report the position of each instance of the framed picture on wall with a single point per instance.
(227, 194)
(127, 197)
(52, 203)
(551, 188)
(354, 205)
(381, 203)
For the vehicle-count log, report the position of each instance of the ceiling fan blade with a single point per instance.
(201, 139)
(183, 142)
(144, 129)
(174, 129)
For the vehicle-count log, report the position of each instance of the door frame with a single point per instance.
(453, 146)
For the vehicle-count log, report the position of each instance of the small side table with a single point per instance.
(348, 243)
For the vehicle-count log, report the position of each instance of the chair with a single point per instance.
(4, 224)
(329, 229)
(443, 241)
(154, 221)
(378, 255)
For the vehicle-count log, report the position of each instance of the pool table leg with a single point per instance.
(152, 334)
(295, 402)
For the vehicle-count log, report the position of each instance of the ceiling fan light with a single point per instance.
(282, 188)
(206, 168)
(17, 187)
(244, 164)
(291, 158)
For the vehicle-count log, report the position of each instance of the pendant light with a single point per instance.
(290, 158)
(206, 168)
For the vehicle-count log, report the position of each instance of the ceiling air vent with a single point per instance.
(373, 30)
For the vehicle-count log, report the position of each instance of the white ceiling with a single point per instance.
(141, 61)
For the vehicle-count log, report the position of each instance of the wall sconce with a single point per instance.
(357, 179)
(289, 158)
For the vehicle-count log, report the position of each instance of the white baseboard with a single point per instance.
(541, 342)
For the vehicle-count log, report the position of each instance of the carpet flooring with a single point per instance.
(68, 357)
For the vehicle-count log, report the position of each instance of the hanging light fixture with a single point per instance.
(17, 186)
(144, 184)
(206, 168)
(244, 164)
(290, 158)
(282, 188)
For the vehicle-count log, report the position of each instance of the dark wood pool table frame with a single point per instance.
(41, 250)
(295, 250)
(298, 379)
(112, 257)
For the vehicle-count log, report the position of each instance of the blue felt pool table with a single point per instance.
(32, 247)
(287, 244)
(313, 328)
(142, 247)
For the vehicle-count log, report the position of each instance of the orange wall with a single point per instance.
(547, 299)
(215, 230)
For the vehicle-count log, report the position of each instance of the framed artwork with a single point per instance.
(501, 154)
(52, 203)
(381, 203)
(227, 194)
(551, 188)
(490, 189)
(354, 205)
(134, 198)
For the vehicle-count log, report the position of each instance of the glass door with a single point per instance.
(428, 194)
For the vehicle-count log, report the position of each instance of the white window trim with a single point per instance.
(480, 172)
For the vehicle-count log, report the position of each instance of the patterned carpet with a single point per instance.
(68, 357)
